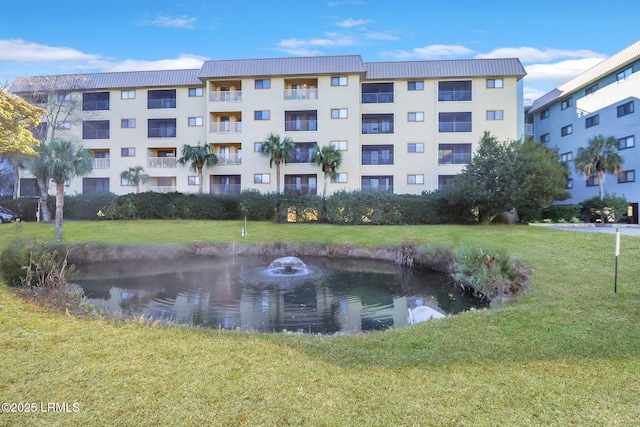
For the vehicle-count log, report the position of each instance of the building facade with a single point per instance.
(600, 101)
(403, 127)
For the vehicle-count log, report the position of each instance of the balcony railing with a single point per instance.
(225, 96)
(454, 127)
(162, 188)
(369, 187)
(225, 189)
(297, 94)
(161, 103)
(300, 125)
(100, 163)
(161, 162)
(229, 159)
(300, 189)
(377, 98)
(374, 128)
(225, 127)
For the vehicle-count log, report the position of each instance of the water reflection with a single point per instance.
(340, 296)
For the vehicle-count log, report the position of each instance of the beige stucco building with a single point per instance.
(404, 127)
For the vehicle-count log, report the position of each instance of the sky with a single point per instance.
(555, 40)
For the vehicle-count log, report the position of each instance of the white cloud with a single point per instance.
(309, 47)
(382, 36)
(183, 61)
(349, 23)
(530, 54)
(22, 51)
(436, 51)
(559, 72)
(180, 22)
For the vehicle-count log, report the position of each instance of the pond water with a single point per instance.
(325, 295)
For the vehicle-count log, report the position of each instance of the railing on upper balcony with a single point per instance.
(225, 127)
(300, 189)
(162, 188)
(297, 94)
(374, 128)
(161, 162)
(225, 189)
(300, 125)
(100, 163)
(229, 158)
(377, 98)
(225, 96)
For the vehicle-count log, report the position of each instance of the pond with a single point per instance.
(320, 295)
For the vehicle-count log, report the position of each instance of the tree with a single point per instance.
(39, 168)
(17, 117)
(278, 151)
(198, 157)
(329, 159)
(598, 158)
(135, 175)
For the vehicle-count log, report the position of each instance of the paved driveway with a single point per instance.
(626, 229)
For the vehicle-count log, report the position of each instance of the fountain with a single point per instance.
(287, 265)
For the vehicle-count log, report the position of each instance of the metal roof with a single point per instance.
(445, 69)
(589, 77)
(95, 81)
(347, 64)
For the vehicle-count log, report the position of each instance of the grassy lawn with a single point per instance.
(567, 354)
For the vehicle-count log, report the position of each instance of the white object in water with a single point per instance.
(422, 314)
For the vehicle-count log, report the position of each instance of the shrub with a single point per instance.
(86, 206)
(32, 263)
(592, 208)
(561, 213)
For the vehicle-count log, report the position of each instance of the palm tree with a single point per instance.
(329, 160)
(136, 176)
(198, 157)
(38, 166)
(278, 151)
(65, 162)
(599, 157)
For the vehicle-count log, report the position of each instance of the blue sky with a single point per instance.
(555, 40)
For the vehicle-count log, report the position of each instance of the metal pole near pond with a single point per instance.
(615, 282)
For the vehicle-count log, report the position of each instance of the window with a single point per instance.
(544, 138)
(625, 109)
(415, 147)
(126, 182)
(162, 128)
(626, 142)
(593, 181)
(566, 157)
(195, 121)
(566, 130)
(94, 101)
(95, 185)
(415, 179)
(339, 113)
(257, 147)
(128, 123)
(377, 154)
(454, 154)
(340, 177)
(495, 83)
(419, 85)
(157, 99)
(416, 117)
(444, 180)
(566, 103)
(195, 91)
(128, 152)
(454, 122)
(592, 121)
(95, 129)
(193, 180)
(62, 97)
(302, 152)
(544, 114)
(495, 115)
(374, 93)
(261, 178)
(624, 74)
(627, 176)
(339, 81)
(454, 91)
(339, 145)
(591, 89)
(377, 183)
(262, 115)
(263, 84)
(128, 94)
(64, 125)
(377, 123)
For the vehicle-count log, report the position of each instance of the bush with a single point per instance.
(561, 213)
(25, 257)
(592, 209)
(85, 206)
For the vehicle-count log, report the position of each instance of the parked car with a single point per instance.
(7, 215)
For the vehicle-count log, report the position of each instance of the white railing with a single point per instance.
(229, 159)
(225, 127)
(297, 94)
(162, 188)
(100, 163)
(161, 162)
(225, 96)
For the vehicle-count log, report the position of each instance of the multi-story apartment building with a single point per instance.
(403, 127)
(600, 101)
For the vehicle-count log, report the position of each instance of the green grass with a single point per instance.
(567, 354)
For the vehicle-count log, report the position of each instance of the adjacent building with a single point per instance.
(403, 127)
(600, 101)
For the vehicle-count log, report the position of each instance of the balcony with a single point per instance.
(300, 125)
(300, 94)
(377, 98)
(229, 158)
(225, 188)
(162, 188)
(225, 96)
(162, 162)
(100, 163)
(301, 189)
(225, 127)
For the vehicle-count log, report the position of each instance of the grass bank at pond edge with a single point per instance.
(569, 353)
